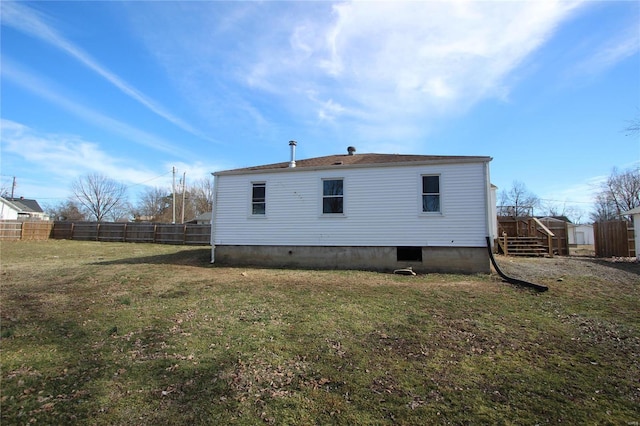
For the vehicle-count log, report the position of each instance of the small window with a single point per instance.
(430, 193)
(409, 254)
(332, 196)
(258, 198)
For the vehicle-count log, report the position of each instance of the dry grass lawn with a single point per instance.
(111, 333)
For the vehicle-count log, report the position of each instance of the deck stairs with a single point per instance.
(524, 246)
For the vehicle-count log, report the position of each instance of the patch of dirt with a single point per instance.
(615, 270)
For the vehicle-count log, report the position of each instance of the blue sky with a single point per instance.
(132, 89)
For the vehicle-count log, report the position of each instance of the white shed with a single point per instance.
(356, 211)
(580, 234)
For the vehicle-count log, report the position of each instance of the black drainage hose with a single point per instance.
(536, 287)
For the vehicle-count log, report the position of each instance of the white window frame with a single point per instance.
(322, 197)
(422, 194)
(252, 202)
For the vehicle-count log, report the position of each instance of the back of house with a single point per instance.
(356, 211)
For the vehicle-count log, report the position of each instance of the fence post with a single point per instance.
(124, 233)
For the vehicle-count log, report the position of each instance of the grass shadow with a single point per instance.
(632, 267)
(191, 257)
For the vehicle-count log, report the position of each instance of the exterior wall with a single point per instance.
(465, 260)
(7, 211)
(586, 230)
(382, 209)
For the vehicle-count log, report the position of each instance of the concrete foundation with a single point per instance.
(465, 260)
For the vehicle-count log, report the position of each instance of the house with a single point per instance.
(21, 209)
(635, 214)
(202, 219)
(357, 211)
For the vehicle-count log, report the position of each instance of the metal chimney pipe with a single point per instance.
(293, 144)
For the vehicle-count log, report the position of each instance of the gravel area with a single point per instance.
(542, 269)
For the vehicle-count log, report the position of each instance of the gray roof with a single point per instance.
(632, 211)
(358, 160)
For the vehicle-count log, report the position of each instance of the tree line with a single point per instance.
(96, 197)
(620, 192)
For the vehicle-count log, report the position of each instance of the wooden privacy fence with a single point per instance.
(161, 233)
(25, 230)
(614, 238)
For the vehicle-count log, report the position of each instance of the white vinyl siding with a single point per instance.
(384, 208)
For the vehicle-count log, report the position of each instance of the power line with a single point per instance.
(149, 180)
(566, 201)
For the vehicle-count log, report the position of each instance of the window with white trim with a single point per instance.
(332, 196)
(258, 198)
(431, 194)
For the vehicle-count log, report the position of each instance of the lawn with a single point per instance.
(116, 333)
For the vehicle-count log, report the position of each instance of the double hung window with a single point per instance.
(332, 196)
(431, 194)
(259, 198)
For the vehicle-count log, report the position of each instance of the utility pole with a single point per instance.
(13, 187)
(173, 220)
(184, 180)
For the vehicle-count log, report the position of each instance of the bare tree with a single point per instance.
(619, 193)
(201, 196)
(99, 195)
(604, 209)
(552, 208)
(633, 127)
(156, 204)
(121, 212)
(517, 201)
(153, 203)
(66, 210)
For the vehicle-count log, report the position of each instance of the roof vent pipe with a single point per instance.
(293, 144)
(351, 150)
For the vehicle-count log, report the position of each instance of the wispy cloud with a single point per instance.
(30, 22)
(610, 52)
(66, 157)
(375, 69)
(46, 90)
(61, 158)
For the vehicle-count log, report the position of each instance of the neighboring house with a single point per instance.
(364, 211)
(21, 209)
(635, 214)
(202, 219)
